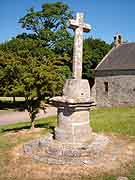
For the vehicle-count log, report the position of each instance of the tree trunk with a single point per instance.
(13, 99)
(32, 124)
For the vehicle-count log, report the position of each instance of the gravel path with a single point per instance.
(10, 117)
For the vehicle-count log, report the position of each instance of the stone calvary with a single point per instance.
(73, 141)
(73, 105)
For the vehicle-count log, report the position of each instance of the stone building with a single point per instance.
(115, 76)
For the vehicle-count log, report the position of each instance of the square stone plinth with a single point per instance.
(73, 125)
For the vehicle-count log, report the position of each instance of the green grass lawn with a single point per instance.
(46, 123)
(117, 120)
(109, 120)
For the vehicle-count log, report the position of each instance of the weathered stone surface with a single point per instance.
(73, 123)
(79, 26)
(99, 143)
(73, 105)
(54, 152)
(44, 141)
(73, 112)
(121, 90)
(28, 148)
(77, 89)
(101, 150)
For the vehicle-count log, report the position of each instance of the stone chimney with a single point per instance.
(117, 40)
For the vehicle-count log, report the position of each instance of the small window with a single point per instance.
(106, 87)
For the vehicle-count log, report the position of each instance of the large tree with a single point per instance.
(36, 63)
(23, 74)
(50, 25)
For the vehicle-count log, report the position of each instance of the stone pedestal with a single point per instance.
(73, 112)
(73, 125)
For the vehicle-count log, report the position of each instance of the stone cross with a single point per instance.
(79, 27)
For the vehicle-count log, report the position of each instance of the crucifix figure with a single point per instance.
(79, 27)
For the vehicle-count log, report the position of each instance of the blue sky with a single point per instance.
(107, 17)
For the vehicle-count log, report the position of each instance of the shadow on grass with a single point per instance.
(17, 105)
(22, 126)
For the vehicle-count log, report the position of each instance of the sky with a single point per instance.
(107, 17)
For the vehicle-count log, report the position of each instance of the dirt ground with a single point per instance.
(23, 167)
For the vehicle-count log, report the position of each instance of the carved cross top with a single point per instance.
(79, 26)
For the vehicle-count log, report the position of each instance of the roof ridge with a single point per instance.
(124, 43)
(113, 48)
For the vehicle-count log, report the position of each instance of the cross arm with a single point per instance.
(73, 24)
(86, 27)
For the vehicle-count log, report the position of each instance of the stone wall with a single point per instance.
(93, 93)
(115, 90)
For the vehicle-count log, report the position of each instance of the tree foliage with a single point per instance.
(35, 65)
(50, 25)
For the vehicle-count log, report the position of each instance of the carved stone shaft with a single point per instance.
(79, 27)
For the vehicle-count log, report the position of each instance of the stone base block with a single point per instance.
(74, 135)
(73, 125)
(109, 151)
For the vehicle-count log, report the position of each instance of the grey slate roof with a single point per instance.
(119, 58)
